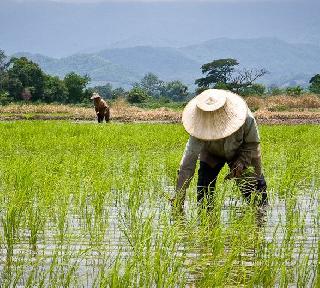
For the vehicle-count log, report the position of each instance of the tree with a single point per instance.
(294, 91)
(218, 71)
(104, 91)
(175, 90)
(315, 84)
(221, 74)
(75, 85)
(4, 98)
(254, 90)
(28, 74)
(2, 69)
(151, 84)
(275, 90)
(137, 95)
(13, 86)
(3, 61)
(4, 94)
(245, 79)
(118, 92)
(55, 90)
(87, 94)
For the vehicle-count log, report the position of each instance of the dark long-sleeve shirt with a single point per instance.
(243, 146)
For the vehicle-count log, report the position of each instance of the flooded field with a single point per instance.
(87, 206)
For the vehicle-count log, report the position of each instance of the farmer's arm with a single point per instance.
(187, 166)
(102, 107)
(103, 104)
(249, 152)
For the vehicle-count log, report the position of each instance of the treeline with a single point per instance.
(23, 80)
(150, 88)
(224, 74)
(219, 74)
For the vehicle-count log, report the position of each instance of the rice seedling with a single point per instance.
(86, 205)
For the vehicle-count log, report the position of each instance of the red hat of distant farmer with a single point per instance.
(214, 114)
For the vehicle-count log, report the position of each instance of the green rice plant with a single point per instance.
(83, 204)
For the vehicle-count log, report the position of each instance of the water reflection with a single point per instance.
(234, 238)
(283, 235)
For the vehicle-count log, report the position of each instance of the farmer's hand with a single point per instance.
(238, 169)
(235, 170)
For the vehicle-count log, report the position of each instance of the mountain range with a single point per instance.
(287, 63)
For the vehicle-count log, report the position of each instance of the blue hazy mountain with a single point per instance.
(167, 63)
(287, 63)
(98, 68)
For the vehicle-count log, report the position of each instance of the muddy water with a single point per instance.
(86, 254)
(272, 222)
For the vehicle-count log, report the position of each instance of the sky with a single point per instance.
(61, 29)
(150, 1)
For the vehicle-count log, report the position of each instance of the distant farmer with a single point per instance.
(101, 108)
(222, 131)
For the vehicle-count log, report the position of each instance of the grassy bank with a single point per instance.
(84, 204)
(273, 109)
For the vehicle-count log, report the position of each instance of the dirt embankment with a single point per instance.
(272, 110)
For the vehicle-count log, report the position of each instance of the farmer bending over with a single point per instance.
(101, 108)
(222, 130)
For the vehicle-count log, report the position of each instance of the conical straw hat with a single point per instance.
(95, 95)
(214, 114)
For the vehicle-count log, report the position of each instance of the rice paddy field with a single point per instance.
(86, 205)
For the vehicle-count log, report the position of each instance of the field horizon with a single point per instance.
(280, 109)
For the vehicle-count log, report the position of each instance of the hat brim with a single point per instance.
(217, 124)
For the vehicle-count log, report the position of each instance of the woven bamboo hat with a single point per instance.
(95, 95)
(214, 114)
